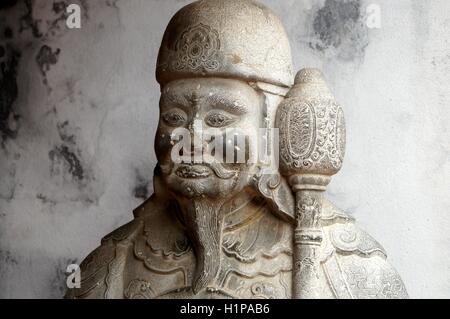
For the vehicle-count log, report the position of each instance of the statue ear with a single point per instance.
(278, 194)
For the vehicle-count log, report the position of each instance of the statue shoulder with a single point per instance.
(152, 238)
(356, 264)
(102, 268)
(348, 239)
(341, 235)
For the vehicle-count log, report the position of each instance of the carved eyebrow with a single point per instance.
(175, 99)
(228, 103)
(216, 100)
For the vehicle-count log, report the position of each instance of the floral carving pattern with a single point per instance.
(312, 136)
(139, 289)
(197, 48)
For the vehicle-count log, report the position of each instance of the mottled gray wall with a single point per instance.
(78, 111)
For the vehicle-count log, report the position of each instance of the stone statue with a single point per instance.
(219, 229)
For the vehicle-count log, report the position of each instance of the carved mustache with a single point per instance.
(199, 170)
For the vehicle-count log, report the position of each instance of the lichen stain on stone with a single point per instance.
(340, 29)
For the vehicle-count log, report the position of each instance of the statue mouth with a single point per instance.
(192, 171)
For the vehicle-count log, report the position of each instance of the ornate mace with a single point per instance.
(312, 147)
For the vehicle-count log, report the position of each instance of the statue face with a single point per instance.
(227, 110)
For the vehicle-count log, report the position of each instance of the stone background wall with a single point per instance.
(78, 112)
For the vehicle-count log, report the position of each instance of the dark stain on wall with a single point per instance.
(55, 22)
(140, 189)
(339, 26)
(67, 153)
(65, 133)
(58, 23)
(27, 22)
(71, 160)
(85, 8)
(7, 261)
(59, 7)
(112, 3)
(45, 59)
(70, 83)
(9, 62)
(6, 4)
(7, 258)
(8, 178)
(58, 282)
(68, 162)
(45, 200)
(8, 33)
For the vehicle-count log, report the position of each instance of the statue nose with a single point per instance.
(198, 144)
(195, 127)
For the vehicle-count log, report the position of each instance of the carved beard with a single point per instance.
(204, 220)
(201, 201)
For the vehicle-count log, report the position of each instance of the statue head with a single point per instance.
(223, 66)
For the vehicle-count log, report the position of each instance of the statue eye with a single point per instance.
(175, 118)
(219, 120)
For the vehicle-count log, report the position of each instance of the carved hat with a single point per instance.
(226, 38)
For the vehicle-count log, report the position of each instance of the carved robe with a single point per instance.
(151, 257)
